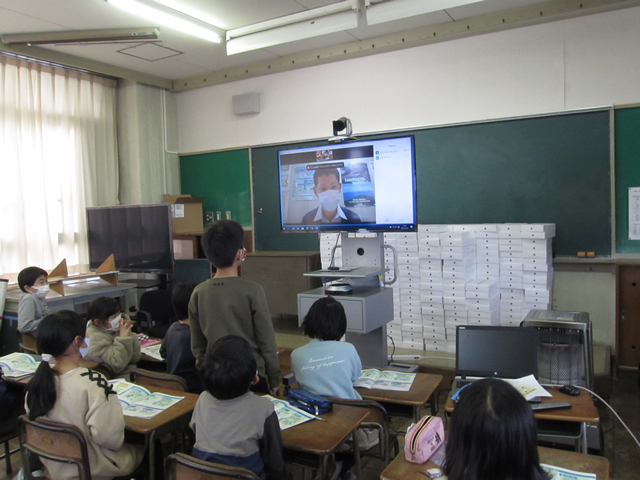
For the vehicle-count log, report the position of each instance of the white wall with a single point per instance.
(578, 63)
(583, 62)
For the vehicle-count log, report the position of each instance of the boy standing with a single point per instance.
(230, 305)
(32, 306)
(233, 425)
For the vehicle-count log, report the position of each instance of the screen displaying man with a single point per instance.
(328, 189)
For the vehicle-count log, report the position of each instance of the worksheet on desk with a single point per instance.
(557, 473)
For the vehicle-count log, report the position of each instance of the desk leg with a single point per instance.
(324, 467)
(416, 413)
(583, 438)
(356, 453)
(152, 456)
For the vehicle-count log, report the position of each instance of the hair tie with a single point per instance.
(46, 357)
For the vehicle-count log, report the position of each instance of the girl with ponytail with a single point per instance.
(63, 391)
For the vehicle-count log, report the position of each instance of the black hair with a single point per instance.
(325, 320)
(28, 276)
(492, 435)
(180, 297)
(325, 171)
(102, 308)
(221, 242)
(55, 333)
(229, 368)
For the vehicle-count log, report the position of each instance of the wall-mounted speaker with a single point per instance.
(246, 103)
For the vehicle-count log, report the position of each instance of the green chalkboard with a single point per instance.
(552, 169)
(223, 179)
(627, 129)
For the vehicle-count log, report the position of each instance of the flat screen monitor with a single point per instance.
(504, 352)
(365, 185)
(139, 236)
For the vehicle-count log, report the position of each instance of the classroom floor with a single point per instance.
(621, 450)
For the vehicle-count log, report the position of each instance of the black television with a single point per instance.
(364, 185)
(139, 236)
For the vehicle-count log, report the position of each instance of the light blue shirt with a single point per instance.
(327, 368)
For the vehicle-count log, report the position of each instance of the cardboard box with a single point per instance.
(186, 213)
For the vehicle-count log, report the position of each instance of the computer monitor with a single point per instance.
(493, 351)
(364, 185)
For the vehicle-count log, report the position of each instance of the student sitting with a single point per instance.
(234, 426)
(32, 307)
(67, 393)
(326, 366)
(176, 345)
(110, 338)
(492, 434)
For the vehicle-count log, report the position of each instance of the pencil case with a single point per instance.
(309, 402)
(423, 439)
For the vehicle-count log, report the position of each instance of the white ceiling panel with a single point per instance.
(199, 56)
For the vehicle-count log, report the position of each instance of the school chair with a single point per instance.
(377, 419)
(104, 369)
(155, 313)
(8, 431)
(180, 466)
(159, 380)
(147, 378)
(28, 343)
(54, 441)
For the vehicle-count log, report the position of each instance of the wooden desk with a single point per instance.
(582, 410)
(172, 420)
(400, 469)
(315, 441)
(421, 390)
(24, 382)
(423, 386)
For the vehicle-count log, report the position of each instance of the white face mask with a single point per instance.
(329, 200)
(42, 290)
(115, 324)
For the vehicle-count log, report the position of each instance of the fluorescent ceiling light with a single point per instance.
(171, 18)
(389, 10)
(299, 26)
(82, 36)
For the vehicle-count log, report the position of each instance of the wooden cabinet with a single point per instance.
(281, 276)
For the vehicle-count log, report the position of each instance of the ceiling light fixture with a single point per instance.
(82, 36)
(386, 11)
(171, 18)
(298, 26)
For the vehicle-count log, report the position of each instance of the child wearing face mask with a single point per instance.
(111, 340)
(32, 307)
(62, 391)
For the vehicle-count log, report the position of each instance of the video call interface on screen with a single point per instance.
(368, 185)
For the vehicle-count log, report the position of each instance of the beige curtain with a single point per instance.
(58, 155)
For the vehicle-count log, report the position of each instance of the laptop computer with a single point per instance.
(490, 351)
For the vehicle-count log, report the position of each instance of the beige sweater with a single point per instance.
(82, 400)
(120, 353)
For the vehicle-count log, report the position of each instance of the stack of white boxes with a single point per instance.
(432, 286)
(450, 275)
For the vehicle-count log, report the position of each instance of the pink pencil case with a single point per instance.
(423, 439)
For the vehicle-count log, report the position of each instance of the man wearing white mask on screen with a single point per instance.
(328, 190)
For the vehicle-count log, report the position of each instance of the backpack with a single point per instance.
(423, 439)
(309, 402)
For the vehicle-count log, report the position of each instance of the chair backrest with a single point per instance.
(157, 379)
(180, 466)
(376, 418)
(28, 343)
(158, 304)
(54, 441)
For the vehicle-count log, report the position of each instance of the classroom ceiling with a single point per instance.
(177, 60)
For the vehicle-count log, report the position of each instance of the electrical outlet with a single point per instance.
(208, 217)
